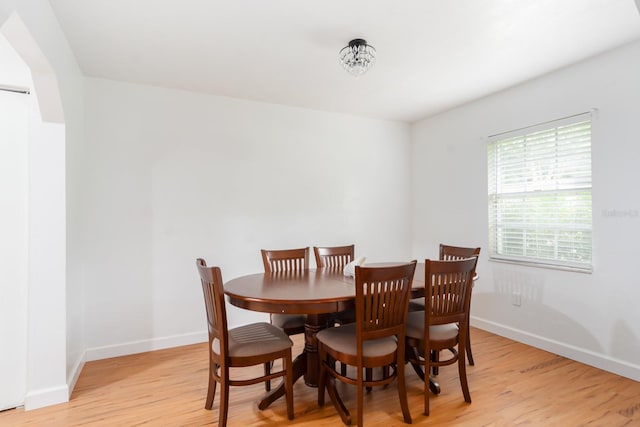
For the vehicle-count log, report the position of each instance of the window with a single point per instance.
(540, 194)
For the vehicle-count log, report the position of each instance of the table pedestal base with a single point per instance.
(305, 364)
(315, 323)
(299, 368)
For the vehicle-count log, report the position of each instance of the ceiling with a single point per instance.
(431, 55)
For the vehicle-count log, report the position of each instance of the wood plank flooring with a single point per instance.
(512, 384)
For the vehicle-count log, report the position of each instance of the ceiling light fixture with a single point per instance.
(357, 57)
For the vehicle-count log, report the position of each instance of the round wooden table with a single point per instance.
(317, 293)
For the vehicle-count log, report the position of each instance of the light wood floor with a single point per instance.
(511, 384)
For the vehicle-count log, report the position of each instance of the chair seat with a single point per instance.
(288, 321)
(254, 339)
(415, 328)
(343, 339)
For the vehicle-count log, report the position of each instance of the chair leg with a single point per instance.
(360, 402)
(329, 384)
(223, 408)
(322, 378)
(435, 356)
(427, 377)
(368, 377)
(464, 383)
(211, 390)
(427, 393)
(402, 390)
(385, 374)
(462, 373)
(469, 355)
(289, 384)
(267, 371)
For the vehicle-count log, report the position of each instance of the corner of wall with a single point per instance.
(74, 374)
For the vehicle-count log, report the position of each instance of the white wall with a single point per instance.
(592, 318)
(172, 176)
(55, 347)
(47, 358)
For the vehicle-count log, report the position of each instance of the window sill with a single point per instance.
(584, 270)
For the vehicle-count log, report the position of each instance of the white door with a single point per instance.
(14, 188)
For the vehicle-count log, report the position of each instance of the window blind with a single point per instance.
(540, 194)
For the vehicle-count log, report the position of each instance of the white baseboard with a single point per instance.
(616, 366)
(46, 397)
(72, 377)
(133, 347)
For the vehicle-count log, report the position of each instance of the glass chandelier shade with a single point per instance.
(357, 57)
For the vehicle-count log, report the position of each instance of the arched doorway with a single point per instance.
(45, 360)
(14, 224)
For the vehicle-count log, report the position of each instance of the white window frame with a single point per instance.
(540, 194)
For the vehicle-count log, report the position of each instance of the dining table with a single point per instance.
(317, 293)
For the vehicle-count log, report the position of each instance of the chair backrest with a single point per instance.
(457, 252)
(382, 300)
(448, 286)
(213, 290)
(294, 260)
(333, 257)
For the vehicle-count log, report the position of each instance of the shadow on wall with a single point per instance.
(516, 284)
(625, 340)
(516, 302)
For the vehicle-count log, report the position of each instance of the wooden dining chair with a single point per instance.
(248, 345)
(375, 340)
(280, 260)
(333, 256)
(453, 253)
(336, 257)
(448, 252)
(285, 261)
(443, 325)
